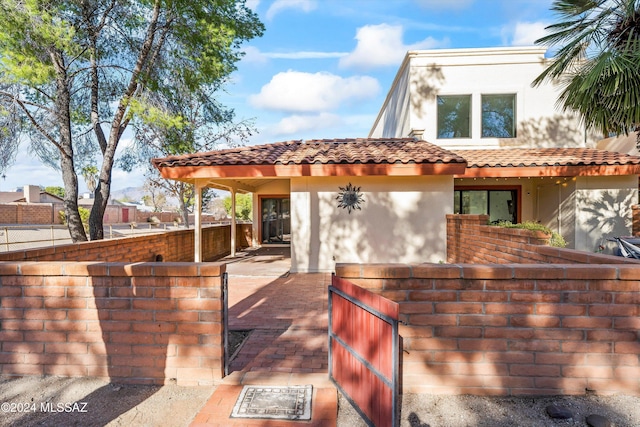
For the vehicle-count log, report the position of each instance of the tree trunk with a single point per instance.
(183, 206)
(70, 179)
(69, 176)
(102, 192)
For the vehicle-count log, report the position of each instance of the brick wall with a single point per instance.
(8, 214)
(172, 245)
(27, 213)
(136, 323)
(171, 216)
(513, 329)
(471, 240)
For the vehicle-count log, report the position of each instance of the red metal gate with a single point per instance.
(364, 353)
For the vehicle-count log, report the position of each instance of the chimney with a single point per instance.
(417, 133)
(31, 193)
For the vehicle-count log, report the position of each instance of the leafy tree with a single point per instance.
(74, 74)
(598, 52)
(193, 122)
(244, 206)
(155, 197)
(56, 191)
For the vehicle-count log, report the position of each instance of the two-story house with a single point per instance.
(527, 159)
(460, 131)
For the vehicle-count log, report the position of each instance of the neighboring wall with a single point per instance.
(513, 329)
(171, 245)
(402, 219)
(25, 213)
(134, 323)
(470, 240)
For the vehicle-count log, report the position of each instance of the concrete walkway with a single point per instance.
(287, 314)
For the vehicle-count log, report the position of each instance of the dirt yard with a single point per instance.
(86, 402)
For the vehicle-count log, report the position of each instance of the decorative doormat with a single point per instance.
(281, 403)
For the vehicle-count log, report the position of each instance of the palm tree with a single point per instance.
(596, 62)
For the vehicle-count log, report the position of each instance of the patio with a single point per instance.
(287, 316)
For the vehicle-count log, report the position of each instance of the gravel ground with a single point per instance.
(87, 402)
(55, 401)
(473, 411)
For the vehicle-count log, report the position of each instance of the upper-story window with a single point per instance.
(499, 116)
(454, 116)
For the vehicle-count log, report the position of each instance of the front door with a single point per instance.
(276, 220)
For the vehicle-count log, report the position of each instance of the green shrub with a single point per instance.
(556, 239)
(84, 216)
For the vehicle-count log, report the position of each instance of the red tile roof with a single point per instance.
(393, 156)
(536, 157)
(321, 151)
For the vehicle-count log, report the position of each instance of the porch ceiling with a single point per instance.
(238, 184)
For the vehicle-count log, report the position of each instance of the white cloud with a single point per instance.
(303, 123)
(253, 4)
(280, 5)
(382, 45)
(445, 4)
(305, 55)
(294, 91)
(523, 33)
(254, 56)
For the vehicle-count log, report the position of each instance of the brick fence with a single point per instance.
(513, 329)
(26, 213)
(171, 245)
(471, 240)
(136, 323)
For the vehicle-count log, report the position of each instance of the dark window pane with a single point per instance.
(474, 202)
(454, 116)
(498, 116)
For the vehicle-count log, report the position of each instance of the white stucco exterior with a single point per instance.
(411, 103)
(585, 210)
(402, 220)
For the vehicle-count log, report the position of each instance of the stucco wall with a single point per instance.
(402, 220)
(475, 72)
(603, 209)
(394, 120)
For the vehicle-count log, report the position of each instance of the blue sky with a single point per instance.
(323, 67)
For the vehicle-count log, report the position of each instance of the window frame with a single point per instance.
(514, 119)
(487, 188)
(470, 118)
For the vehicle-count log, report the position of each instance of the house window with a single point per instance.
(498, 116)
(454, 116)
(500, 205)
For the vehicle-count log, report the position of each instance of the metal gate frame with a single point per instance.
(342, 289)
(225, 321)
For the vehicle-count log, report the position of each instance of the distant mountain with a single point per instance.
(128, 194)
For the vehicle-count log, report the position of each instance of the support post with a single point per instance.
(233, 222)
(197, 232)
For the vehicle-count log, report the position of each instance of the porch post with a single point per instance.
(197, 232)
(233, 221)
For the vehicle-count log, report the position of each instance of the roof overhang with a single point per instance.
(546, 171)
(188, 173)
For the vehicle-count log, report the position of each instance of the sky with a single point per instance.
(323, 68)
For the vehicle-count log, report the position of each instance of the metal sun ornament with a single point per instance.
(350, 198)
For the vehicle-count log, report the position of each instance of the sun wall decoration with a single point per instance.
(350, 198)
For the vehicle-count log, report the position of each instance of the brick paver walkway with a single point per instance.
(288, 317)
(287, 346)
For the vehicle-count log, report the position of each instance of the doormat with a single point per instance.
(281, 403)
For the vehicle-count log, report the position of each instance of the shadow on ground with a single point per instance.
(57, 401)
